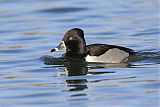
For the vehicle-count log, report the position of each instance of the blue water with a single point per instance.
(29, 29)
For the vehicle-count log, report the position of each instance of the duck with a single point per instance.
(75, 48)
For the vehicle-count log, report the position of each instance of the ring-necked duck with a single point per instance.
(74, 45)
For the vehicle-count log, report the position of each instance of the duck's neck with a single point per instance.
(77, 49)
(78, 53)
(82, 49)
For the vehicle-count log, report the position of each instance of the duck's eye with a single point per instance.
(70, 38)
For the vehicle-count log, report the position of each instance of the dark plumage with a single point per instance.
(75, 46)
(99, 49)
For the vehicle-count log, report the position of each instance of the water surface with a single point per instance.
(30, 29)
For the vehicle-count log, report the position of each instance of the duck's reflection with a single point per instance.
(78, 100)
(79, 69)
(76, 85)
(76, 79)
(76, 68)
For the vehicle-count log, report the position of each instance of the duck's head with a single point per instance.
(73, 42)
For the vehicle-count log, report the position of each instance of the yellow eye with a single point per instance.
(70, 38)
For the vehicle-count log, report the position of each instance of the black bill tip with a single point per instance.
(53, 50)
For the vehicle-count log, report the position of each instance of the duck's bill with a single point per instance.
(60, 48)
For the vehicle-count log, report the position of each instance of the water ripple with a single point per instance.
(30, 28)
(63, 10)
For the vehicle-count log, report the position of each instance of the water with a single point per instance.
(29, 29)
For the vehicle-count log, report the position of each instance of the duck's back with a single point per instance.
(107, 53)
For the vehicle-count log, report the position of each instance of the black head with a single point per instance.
(74, 41)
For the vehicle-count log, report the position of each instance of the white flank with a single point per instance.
(111, 56)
